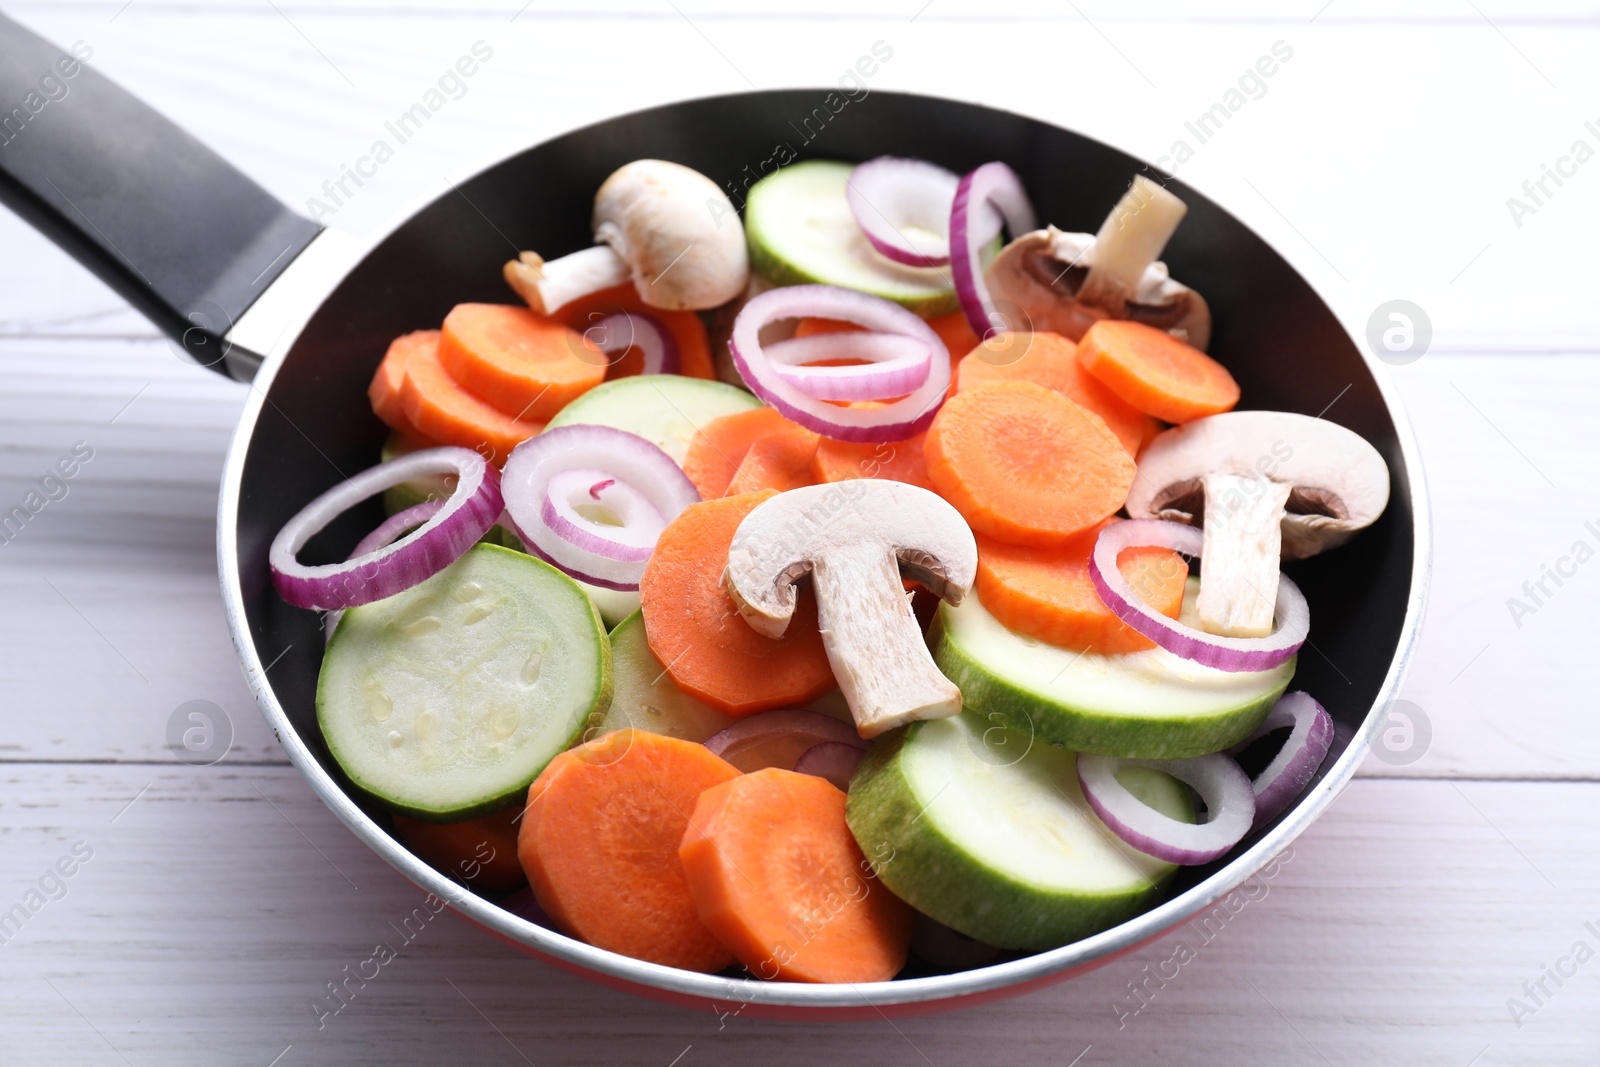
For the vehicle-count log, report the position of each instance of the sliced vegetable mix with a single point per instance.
(773, 762)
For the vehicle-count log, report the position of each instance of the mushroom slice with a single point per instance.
(1066, 282)
(1266, 486)
(663, 226)
(854, 538)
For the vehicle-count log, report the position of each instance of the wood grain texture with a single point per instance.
(219, 904)
(220, 900)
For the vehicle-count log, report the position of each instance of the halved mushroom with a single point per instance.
(1266, 486)
(667, 228)
(1066, 282)
(855, 538)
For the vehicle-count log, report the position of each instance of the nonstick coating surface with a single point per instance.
(1272, 331)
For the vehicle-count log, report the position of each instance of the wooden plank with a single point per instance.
(133, 627)
(1306, 163)
(218, 905)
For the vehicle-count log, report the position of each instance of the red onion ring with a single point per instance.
(617, 333)
(800, 728)
(993, 185)
(601, 453)
(386, 533)
(834, 760)
(383, 572)
(390, 529)
(904, 418)
(1230, 806)
(888, 194)
(1237, 654)
(1296, 763)
(896, 365)
(632, 540)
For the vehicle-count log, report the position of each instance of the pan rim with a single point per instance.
(992, 980)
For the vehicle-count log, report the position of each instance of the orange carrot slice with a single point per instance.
(1047, 593)
(956, 333)
(1024, 464)
(481, 852)
(1156, 372)
(781, 461)
(720, 445)
(600, 839)
(522, 363)
(384, 392)
(695, 628)
(895, 461)
(443, 411)
(1050, 360)
(694, 348)
(776, 874)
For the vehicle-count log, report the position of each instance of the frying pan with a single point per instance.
(251, 289)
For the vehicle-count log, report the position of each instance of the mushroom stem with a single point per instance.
(1130, 239)
(548, 286)
(874, 644)
(1240, 554)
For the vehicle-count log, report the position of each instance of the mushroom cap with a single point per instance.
(1041, 272)
(1341, 482)
(677, 231)
(778, 542)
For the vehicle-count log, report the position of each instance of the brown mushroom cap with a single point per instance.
(1341, 483)
(1040, 273)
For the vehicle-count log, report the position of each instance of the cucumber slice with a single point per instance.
(646, 698)
(1144, 705)
(614, 605)
(800, 230)
(445, 701)
(1000, 847)
(664, 408)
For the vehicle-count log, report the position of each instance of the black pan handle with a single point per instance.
(173, 227)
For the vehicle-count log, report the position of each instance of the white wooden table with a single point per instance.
(217, 902)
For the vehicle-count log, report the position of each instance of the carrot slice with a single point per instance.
(522, 363)
(600, 839)
(695, 628)
(776, 874)
(1047, 593)
(442, 410)
(895, 461)
(782, 460)
(1050, 360)
(1024, 464)
(481, 852)
(1156, 372)
(694, 348)
(810, 327)
(384, 392)
(720, 445)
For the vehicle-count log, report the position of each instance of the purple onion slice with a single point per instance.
(455, 527)
(1230, 806)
